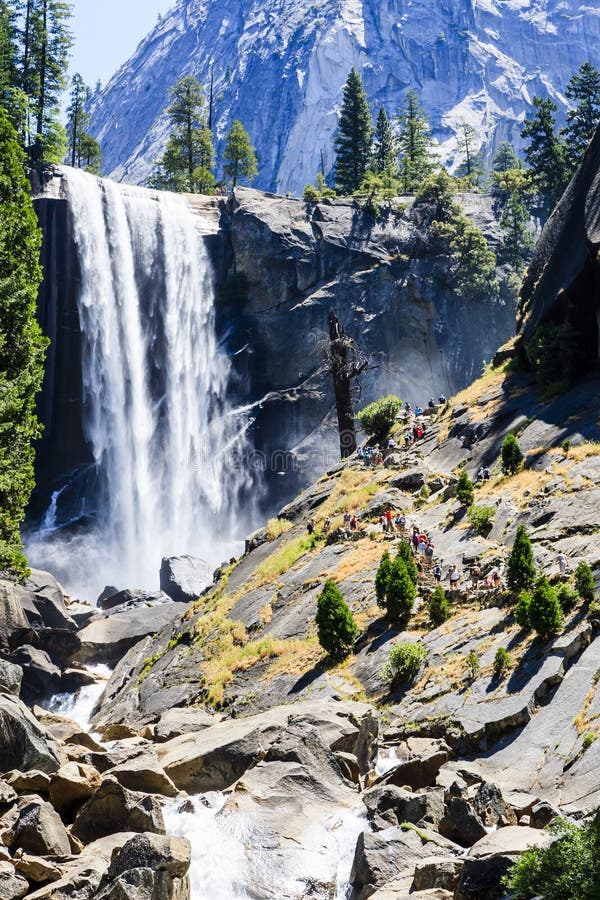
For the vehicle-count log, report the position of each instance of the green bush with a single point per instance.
(545, 615)
(311, 194)
(522, 610)
(336, 627)
(465, 491)
(377, 418)
(589, 739)
(567, 869)
(481, 518)
(566, 446)
(584, 582)
(400, 593)
(404, 662)
(405, 553)
(520, 569)
(502, 662)
(473, 664)
(438, 607)
(512, 457)
(567, 597)
(382, 579)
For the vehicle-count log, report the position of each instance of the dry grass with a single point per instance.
(296, 658)
(229, 657)
(582, 451)
(353, 490)
(266, 614)
(364, 556)
(277, 527)
(515, 485)
(284, 558)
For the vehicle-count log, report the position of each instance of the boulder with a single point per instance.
(41, 678)
(66, 730)
(113, 808)
(40, 831)
(437, 872)
(11, 676)
(12, 615)
(183, 578)
(423, 758)
(143, 773)
(461, 823)
(186, 720)
(390, 805)
(491, 807)
(490, 859)
(72, 785)
(60, 644)
(152, 851)
(542, 814)
(128, 599)
(24, 743)
(49, 600)
(107, 638)
(12, 885)
(36, 869)
(31, 782)
(142, 884)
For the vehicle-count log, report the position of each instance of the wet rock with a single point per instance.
(184, 578)
(66, 730)
(40, 831)
(24, 744)
(113, 808)
(128, 599)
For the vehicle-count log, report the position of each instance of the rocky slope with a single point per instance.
(479, 61)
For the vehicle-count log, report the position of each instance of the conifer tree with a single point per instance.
(239, 155)
(382, 578)
(520, 568)
(22, 346)
(78, 117)
(517, 241)
(8, 50)
(353, 142)
(545, 613)
(384, 150)
(465, 492)
(511, 454)
(505, 158)
(89, 154)
(405, 553)
(400, 594)
(545, 155)
(584, 90)
(414, 144)
(438, 607)
(472, 164)
(336, 627)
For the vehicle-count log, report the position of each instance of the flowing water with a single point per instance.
(168, 450)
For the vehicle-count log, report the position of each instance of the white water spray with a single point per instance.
(165, 444)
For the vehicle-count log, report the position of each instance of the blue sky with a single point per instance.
(106, 33)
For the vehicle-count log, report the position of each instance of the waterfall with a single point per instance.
(167, 448)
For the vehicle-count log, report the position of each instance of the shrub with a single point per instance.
(567, 597)
(502, 662)
(465, 491)
(567, 869)
(545, 615)
(405, 553)
(382, 579)
(481, 518)
(404, 662)
(589, 739)
(584, 582)
(311, 194)
(425, 492)
(337, 629)
(522, 610)
(512, 457)
(566, 446)
(277, 527)
(473, 664)
(520, 569)
(377, 418)
(438, 607)
(400, 594)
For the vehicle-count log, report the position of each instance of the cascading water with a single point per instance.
(165, 444)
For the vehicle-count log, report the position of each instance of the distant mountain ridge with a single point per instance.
(280, 68)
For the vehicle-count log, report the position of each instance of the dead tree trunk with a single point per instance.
(344, 370)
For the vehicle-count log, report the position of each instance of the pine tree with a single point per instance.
(400, 594)
(584, 90)
(384, 151)
(187, 161)
(414, 144)
(517, 240)
(336, 627)
(545, 613)
(545, 155)
(520, 568)
(511, 454)
(353, 142)
(405, 553)
(472, 164)
(239, 155)
(89, 154)
(474, 264)
(8, 50)
(382, 579)
(438, 607)
(505, 158)
(22, 346)
(78, 118)
(584, 582)
(465, 492)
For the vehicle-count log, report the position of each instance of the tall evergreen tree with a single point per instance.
(517, 241)
(545, 155)
(239, 155)
(505, 158)
(414, 144)
(22, 346)
(78, 117)
(471, 166)
(584, 90)
(8, 50)
(384, 151)
(353, 142)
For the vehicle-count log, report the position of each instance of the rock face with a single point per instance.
(183, 578)
(473, 61)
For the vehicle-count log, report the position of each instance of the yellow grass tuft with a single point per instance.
(277, 527)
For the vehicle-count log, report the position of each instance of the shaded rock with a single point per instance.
(11, 676)
(128, 599)
(481, 879)
(491, 807)
(41, 678)
(461, 823)
(24, 744)
(142, 884)
(40, 831)
(12, 885)
(59, 644)
(389, 805)
(49, 600)
(114, 808)
(108, 591)
(409, 480)
(542, 814)
(420, 768)
(12, 616)
(436, 872)
(349, 766)
(183, 578)
(72, 785)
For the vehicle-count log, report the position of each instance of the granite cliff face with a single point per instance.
(280, 68)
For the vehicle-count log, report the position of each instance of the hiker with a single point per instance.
(360, 453)
(454, 578)
(391, 444)
(408, 410)
(408, 439)
(442, 400)
(422, 545)
(480, 474)
(562, 564)
(383, 522)
(400, 523)
(437, 572)
(431, 404)
(347, 518)
(310, 527)
(389, 520)
(353, 523)
(429, 551)
(415, 538)
(486, 473)
(475, 575)
(415, 433)
(496, 580)
(418, 410)
(327, 525)
(420, 432)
